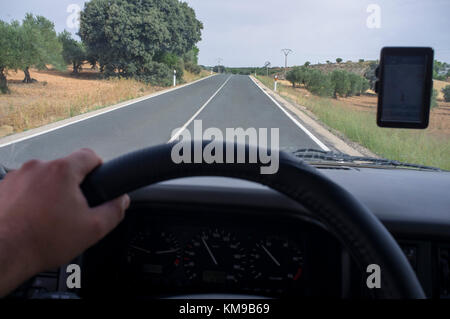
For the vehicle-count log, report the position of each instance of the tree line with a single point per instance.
(145, 40)
(441, 70)
(336, 83)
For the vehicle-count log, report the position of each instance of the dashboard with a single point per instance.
(162, 251)
(222, 235)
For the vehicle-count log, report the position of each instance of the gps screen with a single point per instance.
(403, 88)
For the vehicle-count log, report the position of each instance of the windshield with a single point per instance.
(117, 76)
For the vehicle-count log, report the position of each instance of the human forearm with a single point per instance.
(45, 220)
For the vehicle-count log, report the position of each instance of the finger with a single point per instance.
(107, 216)
(83, 162)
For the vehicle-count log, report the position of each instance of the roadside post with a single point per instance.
(174, 77)
(275, 83)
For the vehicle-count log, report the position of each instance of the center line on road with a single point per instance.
(177, 134)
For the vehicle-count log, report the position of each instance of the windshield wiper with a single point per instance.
(330, 156)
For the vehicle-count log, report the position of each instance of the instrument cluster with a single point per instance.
(213, 257)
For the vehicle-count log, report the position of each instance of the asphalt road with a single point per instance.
(222, 101)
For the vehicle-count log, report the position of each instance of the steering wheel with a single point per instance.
(365, 237)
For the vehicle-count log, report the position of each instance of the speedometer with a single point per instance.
(214, 256)
(276, 260)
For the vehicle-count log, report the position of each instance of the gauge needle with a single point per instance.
(209, 251)
(160, 252)
(141, 249)
(270, 255)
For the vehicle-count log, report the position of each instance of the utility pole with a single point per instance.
(219, 61)
(286, 52)
(267, 65)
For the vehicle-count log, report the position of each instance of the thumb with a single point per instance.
(107, 216)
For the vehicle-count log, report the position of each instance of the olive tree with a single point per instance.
(340, 82)
(39, 45)
(318, 83)
(73, 52)
(8, 52)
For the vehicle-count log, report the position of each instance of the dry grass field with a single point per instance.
(439, 116)
(59, 95)
(439, 85)
(355, 118)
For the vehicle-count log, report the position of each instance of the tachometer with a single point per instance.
(153, 253)
(277, 260)
(214, 256)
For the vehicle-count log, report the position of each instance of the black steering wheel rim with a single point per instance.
(357, 228)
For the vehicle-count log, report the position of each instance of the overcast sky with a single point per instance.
(250, 32)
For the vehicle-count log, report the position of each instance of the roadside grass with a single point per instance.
(58, 95)
(413, 146)
(191, 77)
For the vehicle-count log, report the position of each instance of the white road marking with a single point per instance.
(42, 130)
(177, 134)
(304, 129)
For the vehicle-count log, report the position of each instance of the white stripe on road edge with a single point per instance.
(311, 135)
(85, 116)
(177, 134)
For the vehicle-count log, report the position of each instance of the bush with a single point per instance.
(156, 73)
(173, 62)
(446, 91)
(193, 68)
(338, 60)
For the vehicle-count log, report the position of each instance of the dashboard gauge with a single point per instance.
(276, 260)
(153, 253)
(215, 257)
